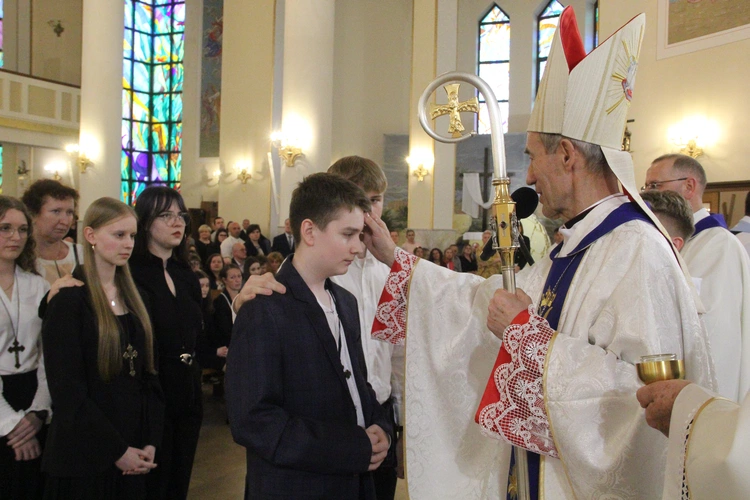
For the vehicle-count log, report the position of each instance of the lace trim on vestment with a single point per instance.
(390, 317)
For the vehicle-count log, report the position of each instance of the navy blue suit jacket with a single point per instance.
(288, 400)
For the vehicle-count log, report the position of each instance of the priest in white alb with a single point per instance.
(563, 385)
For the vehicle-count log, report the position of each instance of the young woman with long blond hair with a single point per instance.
(99, 356)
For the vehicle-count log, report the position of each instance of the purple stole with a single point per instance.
(713, 220)
(556, 288)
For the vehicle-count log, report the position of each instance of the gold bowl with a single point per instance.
(660, 367)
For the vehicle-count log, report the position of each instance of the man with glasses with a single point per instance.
(720, 268)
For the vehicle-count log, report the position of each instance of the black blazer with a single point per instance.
(281, 245)
(93, 421)
(288, 401)
(264, 244)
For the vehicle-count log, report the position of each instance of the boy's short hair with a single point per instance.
(673, 211)
(319, 197)
(363, 172)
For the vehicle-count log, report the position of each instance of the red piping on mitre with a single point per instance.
(571, 38)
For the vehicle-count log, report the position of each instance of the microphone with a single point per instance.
(526, 202)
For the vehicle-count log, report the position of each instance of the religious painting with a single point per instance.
(689, 25)
(213, 27)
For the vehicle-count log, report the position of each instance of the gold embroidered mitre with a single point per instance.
(587, 96)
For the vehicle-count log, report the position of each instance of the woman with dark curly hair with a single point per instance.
(436, 257)
(160, 268)
(25, 399)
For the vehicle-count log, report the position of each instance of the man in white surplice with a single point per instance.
(709, 440)
(570, 390)
(717, 260)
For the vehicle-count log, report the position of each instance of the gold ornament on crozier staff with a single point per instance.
(454, 108)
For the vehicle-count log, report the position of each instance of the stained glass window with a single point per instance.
(596, 23)
(547, 24)
(153, 73)
(494, 64)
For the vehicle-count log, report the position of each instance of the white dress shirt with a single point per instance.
(227, 244)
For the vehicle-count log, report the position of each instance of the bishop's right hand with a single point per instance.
(378, 240)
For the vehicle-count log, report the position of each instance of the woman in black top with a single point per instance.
(215, 246)
(99, 359)
(160, 268)
(214, 265)
(231, 276)
(256, 243)
(468, 259)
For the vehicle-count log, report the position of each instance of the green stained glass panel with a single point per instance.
(159, 137)
(161, 107)
(125, 192)
(140, 136)
(178, 75)
(160, 82)
(175, 138)
(142, 47)
(142, 17)
(141, 106)
(138, 188)
(141, 77)
(126, 163)
(162, 49)
(175, 167)
(494, 42)
(161, 167)
(177, 107)
(128, 13)
(162, 19)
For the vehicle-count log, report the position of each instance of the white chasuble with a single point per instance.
(718, 260)
(709, 447)
(628, 298)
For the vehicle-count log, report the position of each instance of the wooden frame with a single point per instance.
(727, 198)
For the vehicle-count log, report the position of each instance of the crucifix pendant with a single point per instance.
(130, 354)
(17, 349)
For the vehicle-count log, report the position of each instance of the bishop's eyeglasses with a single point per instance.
(650, 186)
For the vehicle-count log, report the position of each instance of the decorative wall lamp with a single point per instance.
(57, 27)
(54, 168)
(242, 170)
(692, 135)
(420, 163)
(289, 146)
(79, 157)
(22, 170)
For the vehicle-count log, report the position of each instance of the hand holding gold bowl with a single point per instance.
(658, 367)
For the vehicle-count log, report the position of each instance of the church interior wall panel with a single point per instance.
(41, 102)
(57, 57)
(710, 82)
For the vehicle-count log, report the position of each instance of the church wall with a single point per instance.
(710, 82)
(53, 57)
(372, 64)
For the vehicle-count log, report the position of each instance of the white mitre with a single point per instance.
(586, 97)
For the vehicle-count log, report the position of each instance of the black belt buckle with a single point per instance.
(186, 358)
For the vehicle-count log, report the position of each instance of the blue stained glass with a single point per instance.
(175, 137)
(127, 73)
(159, 137)
(177, 107)
(554, 8)
(128, 13)
(141, 106)
(140, 136)
(178, 50)
(141, 166)
(178, 18)
(142, 47)
(141, 77)
(161, 167)
(547, 29)
(160, 82)
(125, 192)
(162, 48)
(125, 140)
(138, 188)
(142, 17)
(178, 75)
(126, 101)
(175, 167)
(494, 42)
(161, 105)
(126, 162)
(162, 19)
(127, 44)
(495, 15)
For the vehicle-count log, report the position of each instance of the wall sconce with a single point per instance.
(420, 163)
(213, 178)
(79, 157)
(22, 170)
(289, 146)
(54, 169)
(57, 27)
(242, 170)
(692, 135)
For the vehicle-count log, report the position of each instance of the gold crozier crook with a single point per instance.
(454, 108)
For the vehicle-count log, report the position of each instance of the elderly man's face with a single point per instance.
(234, 229)
(239, 251)
(549, 178)
(662, 176)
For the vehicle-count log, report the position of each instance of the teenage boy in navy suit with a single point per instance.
(297, 391)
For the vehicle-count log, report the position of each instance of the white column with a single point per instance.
(101, 99)
(307, 96)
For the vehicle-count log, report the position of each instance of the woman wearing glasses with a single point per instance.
(25, 399)
(99, 353)
(160, 268)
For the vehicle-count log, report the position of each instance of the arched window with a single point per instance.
(494, 63)
(153, 52)
(546, 26)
